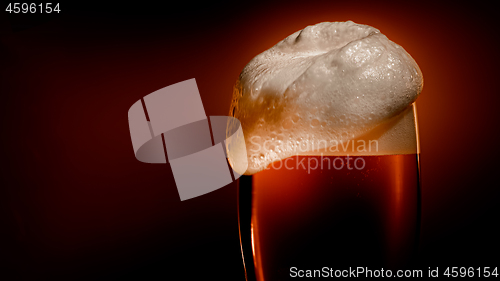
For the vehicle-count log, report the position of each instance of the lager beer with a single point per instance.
(332, 153)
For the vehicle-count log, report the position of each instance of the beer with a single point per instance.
(331, 153)
(328, 217)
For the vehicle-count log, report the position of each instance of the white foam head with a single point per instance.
(333, 81)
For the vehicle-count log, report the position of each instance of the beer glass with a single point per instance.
(365, 213)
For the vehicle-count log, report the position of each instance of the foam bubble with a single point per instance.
(333, 81)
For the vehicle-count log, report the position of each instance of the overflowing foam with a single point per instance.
(326, 85)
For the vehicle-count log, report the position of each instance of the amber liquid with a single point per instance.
(338, 218)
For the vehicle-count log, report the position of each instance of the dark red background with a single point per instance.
(76, 204)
